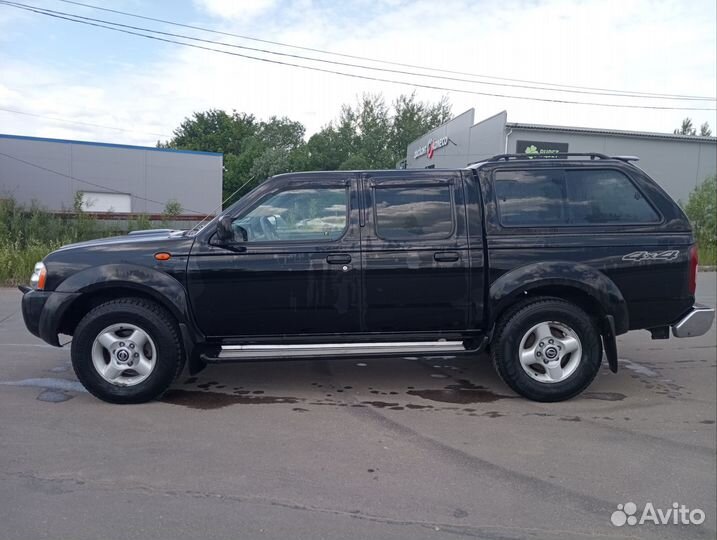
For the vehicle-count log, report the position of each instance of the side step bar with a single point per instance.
(310, 350)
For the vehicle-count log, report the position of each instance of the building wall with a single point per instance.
(677, 163)
(678, 166)
(59, 169)
(454, 154)
(487, 138)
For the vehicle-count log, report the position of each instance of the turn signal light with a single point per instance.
(162, 256)
(39, 276)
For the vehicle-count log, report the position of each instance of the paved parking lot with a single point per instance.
(409, 448)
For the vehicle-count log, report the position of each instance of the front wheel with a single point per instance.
(127, 351)
(547, 349)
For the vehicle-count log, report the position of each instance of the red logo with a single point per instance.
(430, 150)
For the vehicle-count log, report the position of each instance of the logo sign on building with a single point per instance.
(430, 147)
(541, 148)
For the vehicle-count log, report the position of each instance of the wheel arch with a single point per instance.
(580, 284)
(100, 284)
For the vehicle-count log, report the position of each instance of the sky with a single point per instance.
(126, 89)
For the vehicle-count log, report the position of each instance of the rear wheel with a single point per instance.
(127, 351)
(546, 349)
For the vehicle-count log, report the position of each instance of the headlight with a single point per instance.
(39, 274)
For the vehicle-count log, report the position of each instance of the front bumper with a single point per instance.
(696, 323)
(33, 302)
(42, 312)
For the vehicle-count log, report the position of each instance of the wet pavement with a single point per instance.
(387, 448)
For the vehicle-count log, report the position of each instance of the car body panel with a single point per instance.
(362, 287)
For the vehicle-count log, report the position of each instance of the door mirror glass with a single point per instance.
(228, 232)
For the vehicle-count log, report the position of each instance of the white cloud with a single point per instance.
(235, 9)
(648, 46)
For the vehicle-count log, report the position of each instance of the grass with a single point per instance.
(708, 254)
(28, 234)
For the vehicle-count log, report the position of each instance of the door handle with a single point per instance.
(343, 258)
(446, 256)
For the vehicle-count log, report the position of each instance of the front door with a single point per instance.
(297, 272)
(417, 275)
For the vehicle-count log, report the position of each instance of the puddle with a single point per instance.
(195, 399)
(53, 396)
(463, 392)
(380, 404)
(638, 368)
(49, 383)
(604, 396)
(59, 369)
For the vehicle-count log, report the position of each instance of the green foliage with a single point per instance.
(686, 128)
(172, 209)
(701, 208)
(27, 234)
(369, 135)
(140, 222)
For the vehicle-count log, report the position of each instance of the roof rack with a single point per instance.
(508, 157)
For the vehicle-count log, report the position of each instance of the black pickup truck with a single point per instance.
(540, 262)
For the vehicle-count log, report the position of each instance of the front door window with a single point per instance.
(297, 215)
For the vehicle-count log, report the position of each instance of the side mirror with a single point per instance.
(226, 232)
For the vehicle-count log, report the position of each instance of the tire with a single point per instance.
(127, 351)
(544, 329)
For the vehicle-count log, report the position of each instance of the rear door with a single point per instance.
(416, 264)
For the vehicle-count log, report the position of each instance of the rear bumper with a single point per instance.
(696, 323)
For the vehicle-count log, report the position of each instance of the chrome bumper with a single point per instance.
(695, 323)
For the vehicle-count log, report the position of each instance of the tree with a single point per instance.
(367, 135)
(701, 208)
(686, 128)
(414, 118)
(370, 135)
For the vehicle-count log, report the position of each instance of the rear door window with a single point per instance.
(422, 212)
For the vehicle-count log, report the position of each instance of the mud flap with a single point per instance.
(610, 342)
(194, 363)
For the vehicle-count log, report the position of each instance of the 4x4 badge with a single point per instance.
(636, 256)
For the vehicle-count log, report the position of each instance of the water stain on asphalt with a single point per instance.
(53, 396)
(380, 404)
(59, 369)
(604, 396)
(48, 383)
(464, 392)
(195, 399)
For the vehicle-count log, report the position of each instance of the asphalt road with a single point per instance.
(390, 449)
